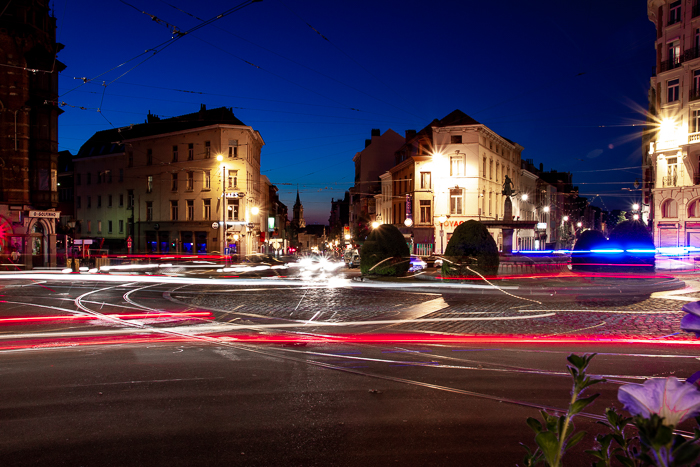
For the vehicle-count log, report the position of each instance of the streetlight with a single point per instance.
(546, 209)
(635, 207)
(375, 224)
(442, 219)
(254, 210)
(220, 158)
(565, 218)
(635, 217)
(579, 225)
(524, 197)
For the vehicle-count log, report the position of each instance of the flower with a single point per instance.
(670, 398)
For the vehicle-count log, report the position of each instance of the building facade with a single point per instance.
(671, 144)
(29, 124)
(188, 184)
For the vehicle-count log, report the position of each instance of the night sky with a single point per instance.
(568, 81)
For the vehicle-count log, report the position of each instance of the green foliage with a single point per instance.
(471, 247)
(385, 252)
(631, 234)
(588, 240)
(558, 435)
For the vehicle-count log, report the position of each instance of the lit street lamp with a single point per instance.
(375, 224)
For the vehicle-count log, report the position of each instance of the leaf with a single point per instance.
(575, 360)
(548, 443)
(624, 460)
(575, 439)
(581, 404)
(686, 453)
(534, 424)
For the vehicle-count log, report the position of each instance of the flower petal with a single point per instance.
(670, 398)
(692, 308)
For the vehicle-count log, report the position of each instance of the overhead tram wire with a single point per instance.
(162, 46)
(423, 117)
(296, 62)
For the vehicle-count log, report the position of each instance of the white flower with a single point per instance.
(670, 398)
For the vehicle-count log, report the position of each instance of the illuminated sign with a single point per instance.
(541, 226)
(45, 214)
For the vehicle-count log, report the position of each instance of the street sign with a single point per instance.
(45, 214)
(128, 242)
(214, 225)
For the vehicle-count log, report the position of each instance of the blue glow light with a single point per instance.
(612, 251)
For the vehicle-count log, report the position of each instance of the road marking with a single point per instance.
(628, 312)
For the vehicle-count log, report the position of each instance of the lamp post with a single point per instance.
(220, 158)
(635, 210)
(442, 219)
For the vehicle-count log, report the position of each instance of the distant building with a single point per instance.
(671, 142)
(161, 184)
(29, 125)
(298, 219)
(375, 159)
(339, 218)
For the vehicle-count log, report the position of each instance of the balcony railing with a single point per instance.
(692, 53)
(694, 137)
(670, 180)
(670, 64)
(673, 20)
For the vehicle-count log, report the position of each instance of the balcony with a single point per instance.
(694, 137)
(692, 53)
(670, 64)
(670, 180)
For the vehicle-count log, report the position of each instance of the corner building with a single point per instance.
(161, 184)
(671, 144)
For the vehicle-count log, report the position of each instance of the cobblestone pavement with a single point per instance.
(644, 316)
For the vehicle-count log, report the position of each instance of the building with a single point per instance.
(189, 184)
(298, 213)
(375, 159)
(339, 218)
(671, 144)
(29, 124)
(455, 167)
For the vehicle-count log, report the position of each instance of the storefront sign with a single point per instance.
(235, 194)
(541, 226)
(45, 214)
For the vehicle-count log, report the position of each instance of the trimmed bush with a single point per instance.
(471, 246)
(385, 252)
(633, 235)
(581, 257)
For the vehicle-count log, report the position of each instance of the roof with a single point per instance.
(109, 141)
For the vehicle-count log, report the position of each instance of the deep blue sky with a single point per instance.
(566, 80)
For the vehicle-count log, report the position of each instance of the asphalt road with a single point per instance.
(98, 373)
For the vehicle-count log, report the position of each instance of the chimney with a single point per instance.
(410, 134)
(368, 142)
(376, 132)
(541, 167)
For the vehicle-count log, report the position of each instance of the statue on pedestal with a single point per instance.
(507, 187)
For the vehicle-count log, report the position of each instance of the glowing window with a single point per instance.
(694, 208)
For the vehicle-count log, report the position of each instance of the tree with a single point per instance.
(471, 248)
(385, 252)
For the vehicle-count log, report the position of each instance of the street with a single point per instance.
(255, 373)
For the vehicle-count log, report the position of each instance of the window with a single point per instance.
(109, 176)
(190, 209)
(425, 181)
(77, 202)
(484, 167)
(207, 149)
(173, 186)
(190, 152)
(130, 159)
(207, 180)
(121, 200)
(232, 209)
(175, 153)
(695, 121)
(673, 88)
(109, 226)
(99, 226)
(233, 178)
(130, 199)
(669, 208)
(109, 201)
(89, 202)
(490, 202)
(490, 170)
(233, 148)
(149, 156)
(89, 179)
(207, 209)
(190, 181)
(456, 201)
(498, 169)
(89, 229)
(149, 184)
(121, 175)
(173, 210)
(674, 13)
(456, 139)
(121, 226)
(99, 177)
(694, 208)
(149, 211)
(696, 82)
(77, 179)
(456, 165)
(674, 54)
(425, 215)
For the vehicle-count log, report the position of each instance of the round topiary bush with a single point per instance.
(581, 258)
(638, 245)
(385, 252)
(471, 246)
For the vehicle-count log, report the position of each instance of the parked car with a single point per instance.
(351, 258)
(417, 264)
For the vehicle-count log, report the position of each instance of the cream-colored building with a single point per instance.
(671, 146)
(188, 185)
(455, 167)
